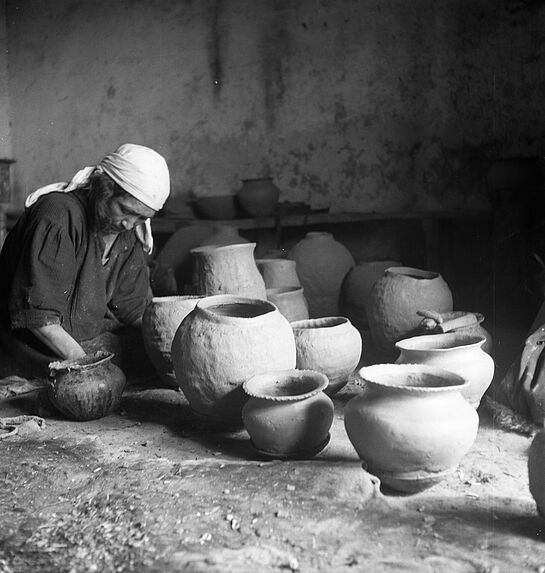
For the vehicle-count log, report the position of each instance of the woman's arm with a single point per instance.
(59, 341)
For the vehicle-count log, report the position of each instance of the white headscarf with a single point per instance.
(138, 170)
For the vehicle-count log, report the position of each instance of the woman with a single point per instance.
(74, 266)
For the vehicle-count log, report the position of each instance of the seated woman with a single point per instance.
(74, 268)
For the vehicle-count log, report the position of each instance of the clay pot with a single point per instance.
(161, 319)
(459, 353)
(87, 388)
(290, 301)
(278, 272)
(356, 288)
(410, 426)
(258, 197)
(536, 471)
(287, 414)
(322, 264)
(395, 299)
(222, 343)
(329, 345)
(227, 269)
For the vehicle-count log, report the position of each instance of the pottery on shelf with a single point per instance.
(222, 343)
(410, 426)
(322, 264)
(396, 298)
(536, 471)
(287, 414)
(258, 197)
(330, 345)
(87, 388)
(160, 321)
(356, 288)
(290, 301)
(460, 353)
(278, 272)
(227, 269)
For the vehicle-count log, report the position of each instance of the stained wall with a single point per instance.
(356, 105)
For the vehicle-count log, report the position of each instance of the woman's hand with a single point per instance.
(59, 341)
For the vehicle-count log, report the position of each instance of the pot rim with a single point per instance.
(251, 386)
(284, 290)
(205, 306)
(319, 323)
(445, 342)
(175, 297)
(413, 272)
(86, 362)
(447, 381)
(214, 248)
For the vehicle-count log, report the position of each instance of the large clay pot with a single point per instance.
(278, 272)
(258, 197)
(222, 343)
(536, 471)
(459, 353)
(322, 264)
(287, 414)
(395, 299)
(410, 426)
(329, 345)
(227, 269)
(160, 322)
(87, 388)
(356, 288)
(290, 301)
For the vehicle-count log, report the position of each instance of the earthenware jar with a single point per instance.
(258, 197)
(536, 471)
(290, 301)
(278, 272)
(457, 352)
(222, 343)
(322, 264)
(227, 269)
(87, 388)
(161, 319)
(356, 288)
(329, 345)
(287, 414)
(395, 299)
(410, 426)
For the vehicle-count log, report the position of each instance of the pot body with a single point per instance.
(410, 426)
(290, 301)
(536, 471)
(287, 414)
(278, 272)
(395, 299)
(86, 389)
(356, 288)
(322, 264)
(458, 352)
(222, 343)
(227, 269)
(330, 345)
(160, 321)
(258, 197)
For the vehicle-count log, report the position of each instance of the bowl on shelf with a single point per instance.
(215, 207)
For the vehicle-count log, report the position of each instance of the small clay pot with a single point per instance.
(258, 197)
(87, 388)
(288, 415)
(290, 301)
(278, 272)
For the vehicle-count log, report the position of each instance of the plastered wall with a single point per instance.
(355, 104)
(5, 131)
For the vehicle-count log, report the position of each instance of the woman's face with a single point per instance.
(124, 213)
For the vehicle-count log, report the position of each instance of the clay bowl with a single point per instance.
(215, 207)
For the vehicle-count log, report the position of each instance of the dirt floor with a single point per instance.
(151, 489)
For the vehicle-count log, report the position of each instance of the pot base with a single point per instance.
(409, 482)
(301, 454)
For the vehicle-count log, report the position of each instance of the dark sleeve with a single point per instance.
(131, 293)
(44, 276)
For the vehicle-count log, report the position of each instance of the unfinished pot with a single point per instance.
(222, 343)
(278, 272)
(460, 353)
(396, 298)
(410, 426)
(87, 388)
(330, 345)
(288, 415)
(290, 301)
(536, 471)
(258, 197)
(322, 264)
(227, 269)
(161, 320)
